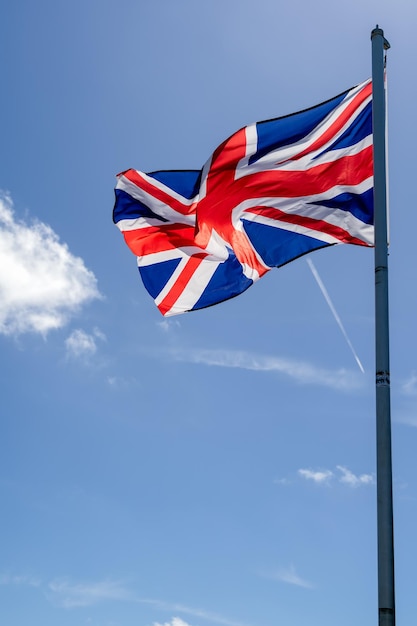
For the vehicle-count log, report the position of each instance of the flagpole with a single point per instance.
(386, 593)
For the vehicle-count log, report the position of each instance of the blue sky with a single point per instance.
(216, 468)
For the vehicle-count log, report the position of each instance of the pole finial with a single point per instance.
(378, 32)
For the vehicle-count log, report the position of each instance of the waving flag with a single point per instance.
(273, 191)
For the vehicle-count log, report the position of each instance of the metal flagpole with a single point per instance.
(386, 595)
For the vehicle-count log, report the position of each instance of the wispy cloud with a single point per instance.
(300, 371)
(168, 325)
(192, 611)
(176, 621)
(119, 382)
(29, 581)
(407, 417)
(67, 595)
(406, 412)
(41, 283)
(282, 481)
(81, 344)
(319, 477)
(288, 575)
(409, 386)
(349, 478)
(343, 475)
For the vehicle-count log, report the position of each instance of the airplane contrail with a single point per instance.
(333, 310)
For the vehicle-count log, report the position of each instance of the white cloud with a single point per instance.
(194, 612)
(68, 596)
(41, 283)
(409, 387)
(319, 477)
(81, 344)
(99, 334)
(406, 413)
(30, 581)
(407, 417)
(289, 576)
(168, 325)
(282, 481)
(120, 383)
(300, 371)
(176, 621)
(349, 478)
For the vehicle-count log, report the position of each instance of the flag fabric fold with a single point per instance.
(271, 192)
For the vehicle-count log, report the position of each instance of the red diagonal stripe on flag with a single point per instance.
(338, 124)
(142, 183)
(181, 283)
(320, 226)
(153, 239)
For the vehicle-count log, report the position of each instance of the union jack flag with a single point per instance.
(273, 191)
